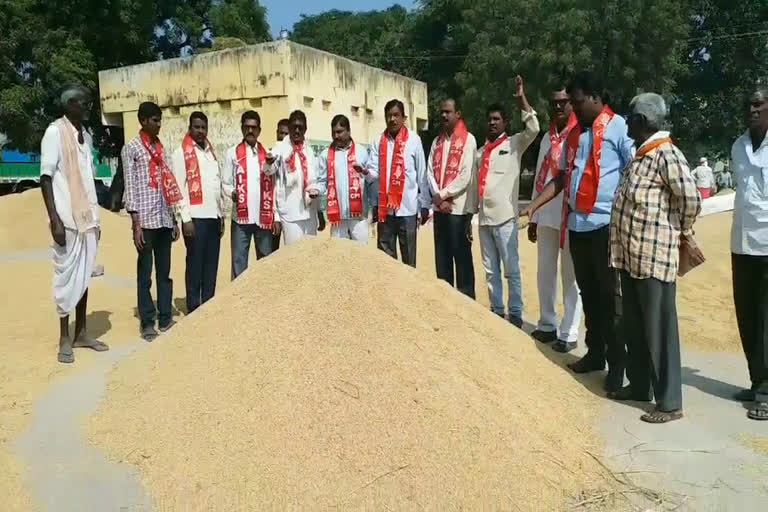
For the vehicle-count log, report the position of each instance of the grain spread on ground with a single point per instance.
(332, 375)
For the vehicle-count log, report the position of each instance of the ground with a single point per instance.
(714, 459)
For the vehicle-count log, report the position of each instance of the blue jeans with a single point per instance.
(202, 262)
(498, 245)
(241, 235)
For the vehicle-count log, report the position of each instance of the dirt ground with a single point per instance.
(29, 368)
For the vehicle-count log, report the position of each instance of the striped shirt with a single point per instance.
(656, 201)
(140, 198)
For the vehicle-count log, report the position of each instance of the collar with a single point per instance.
(656, 136)
(748, 140)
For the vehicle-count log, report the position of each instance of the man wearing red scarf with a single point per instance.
(153, 200)
(498, 187)
(254, 211)
(298, 185)
(544, 231)
(449, 170)
(597, 150)
(348, 168)
(198, 174)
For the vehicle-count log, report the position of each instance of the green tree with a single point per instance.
(727, 55)
(242, 19)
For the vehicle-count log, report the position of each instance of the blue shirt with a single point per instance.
(617, 151)
(342, 177)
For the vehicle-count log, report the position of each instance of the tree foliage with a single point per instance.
(46, 45)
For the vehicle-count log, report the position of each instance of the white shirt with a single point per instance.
(502, 185)
(342, 177)
(749, 232)
(253, 191)
(292, 204)
(703, 176)
(462, 188)
(416, 191)
(551, 214)
(210, 178)
(50, 158)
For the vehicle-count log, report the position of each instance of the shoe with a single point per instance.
(166, 327)
(516, 321)
(588, 364)
(614, 381)
(745, 395)
(148, 333)
(626, 394)
(563, 346)
(544, 336)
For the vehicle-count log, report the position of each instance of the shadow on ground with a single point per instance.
(179, 307)
(98, 323)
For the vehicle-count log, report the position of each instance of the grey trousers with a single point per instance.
(653, 342)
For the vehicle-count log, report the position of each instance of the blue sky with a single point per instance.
(282, 13)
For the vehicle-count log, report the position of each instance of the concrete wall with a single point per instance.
(271, 78)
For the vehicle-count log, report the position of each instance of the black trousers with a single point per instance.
(653, 340)
(453, 248)
(157, 244)
(202, 262)
(750, 296)
(402, 230)
(597, 283)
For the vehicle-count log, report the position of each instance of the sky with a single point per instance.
(282, 13)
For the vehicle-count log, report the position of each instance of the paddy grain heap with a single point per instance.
(332, 375)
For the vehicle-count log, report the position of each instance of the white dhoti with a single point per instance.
(72, 267)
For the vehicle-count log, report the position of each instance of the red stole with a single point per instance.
(267, 187)
(586, 195)
(165, 179)
(355, 188)
(393, 197)
(551, 163)
(458, 140)
(485, 162)
(297, 150)
(194, 180)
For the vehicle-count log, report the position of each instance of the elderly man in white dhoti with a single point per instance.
(66, 179)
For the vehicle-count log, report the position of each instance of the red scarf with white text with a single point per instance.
(355, 188)
(160, 175)
(298, 149)
(455, 152)
(392, 196)
(267, 187)
(551, 163)
(192, 165)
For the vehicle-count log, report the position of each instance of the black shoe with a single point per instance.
(563, 346)
(626, 393)
(166, 327)
(148, 333)
(587, 364)
(544, 336)
(516, 321)
(745, 395)
(614, 381)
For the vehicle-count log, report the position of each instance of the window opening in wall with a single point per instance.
(326, 105)
(225, 105)
(355, 111)
(308, 101)
(255, 102)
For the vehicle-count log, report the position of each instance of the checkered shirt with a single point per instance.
(149, 203)
(656, 201)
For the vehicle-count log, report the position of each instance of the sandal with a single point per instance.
(66, 356)
(758, 411)
(657, 416)
(96, 345)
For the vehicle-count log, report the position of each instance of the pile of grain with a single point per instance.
(330, 374)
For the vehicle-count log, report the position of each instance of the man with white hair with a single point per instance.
(654, 209)
(69, 192)
(705, 180)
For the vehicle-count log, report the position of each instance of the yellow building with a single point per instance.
(272, 78)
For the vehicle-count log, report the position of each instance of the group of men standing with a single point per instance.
(614, 201)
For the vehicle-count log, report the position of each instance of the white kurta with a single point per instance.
(73, 263)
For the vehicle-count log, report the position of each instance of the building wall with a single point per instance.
(271, 78)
